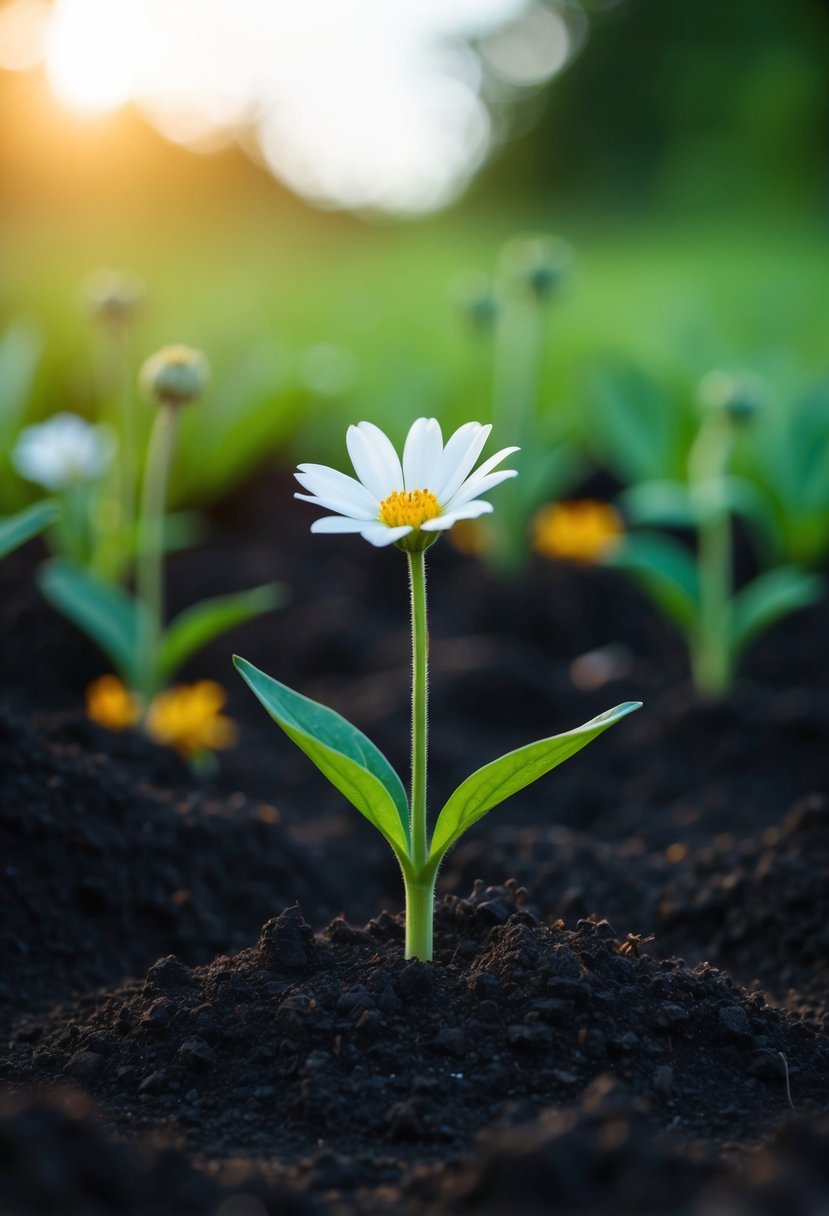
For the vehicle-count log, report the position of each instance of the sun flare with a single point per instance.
(93, 51)
(317, 91)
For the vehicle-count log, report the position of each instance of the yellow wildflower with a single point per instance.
(187, 718)
(582, 530)
(111, 704)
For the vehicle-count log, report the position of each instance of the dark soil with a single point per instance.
(535, 1066)
(336, 1040)
(757, 906)
(104, 869)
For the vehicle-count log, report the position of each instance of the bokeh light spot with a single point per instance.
(23, 25)
(93, 51)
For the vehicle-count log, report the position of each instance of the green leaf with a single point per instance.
(745, 498)
(769, 598)
(197, 626)
(20, 350)
(553, 470)
(181, 530)
(349, 760)
(659, 502)
(491, 784)
(635, 426)
(665, 569)
(104, 612)
(17, 529)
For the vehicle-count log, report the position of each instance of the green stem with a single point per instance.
(128, 446)
(150, 570)
(516, 391)
(420, 657)
(420, 886)
(115, 550)
(711, 651)
(420, 911)
(74, 525)
(711, 656)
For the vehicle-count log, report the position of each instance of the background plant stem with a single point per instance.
(516, 377)
(711, 656)
(150, 571)
(711, 649)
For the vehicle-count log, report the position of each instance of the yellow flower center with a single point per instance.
(410, 507)
(580, 531)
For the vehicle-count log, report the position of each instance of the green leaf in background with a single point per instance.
(17, 529)
(659, 502)
(349, 760)
(770, 597)
(754, 505)
(636, 428)
(667, 571)
(182, 530)
(105, 613)
(20, 349)
(197, 626)
(553, 470)
(497, 781)
(246, 415)
(787, 456)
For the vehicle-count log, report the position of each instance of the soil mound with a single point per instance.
(396, 1064)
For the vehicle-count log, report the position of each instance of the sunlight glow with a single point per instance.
(93, 51)
(22, 32)
(368, 104)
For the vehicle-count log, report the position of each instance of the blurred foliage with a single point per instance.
(681, 155)
(685, 107)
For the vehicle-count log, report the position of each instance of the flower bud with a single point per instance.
(738, 398)
(113, 297)
(539, 264)
(476, 301)
(175, 375)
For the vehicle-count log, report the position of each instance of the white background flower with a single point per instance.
(382, 504)
(63, 451)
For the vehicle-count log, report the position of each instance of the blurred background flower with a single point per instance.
(64, 451)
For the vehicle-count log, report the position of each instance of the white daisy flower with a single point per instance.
(63, 451)
(429, 491)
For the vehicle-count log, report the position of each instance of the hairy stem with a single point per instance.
(419, 891)
(420, 910)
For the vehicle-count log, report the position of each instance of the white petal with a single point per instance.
(337, 491)
(379, 535)
(337, 523)
(375, 461)
(327, 505)
(478, 485)
(471, 511)
(422, 454)
(460, 454)
(480, 474)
